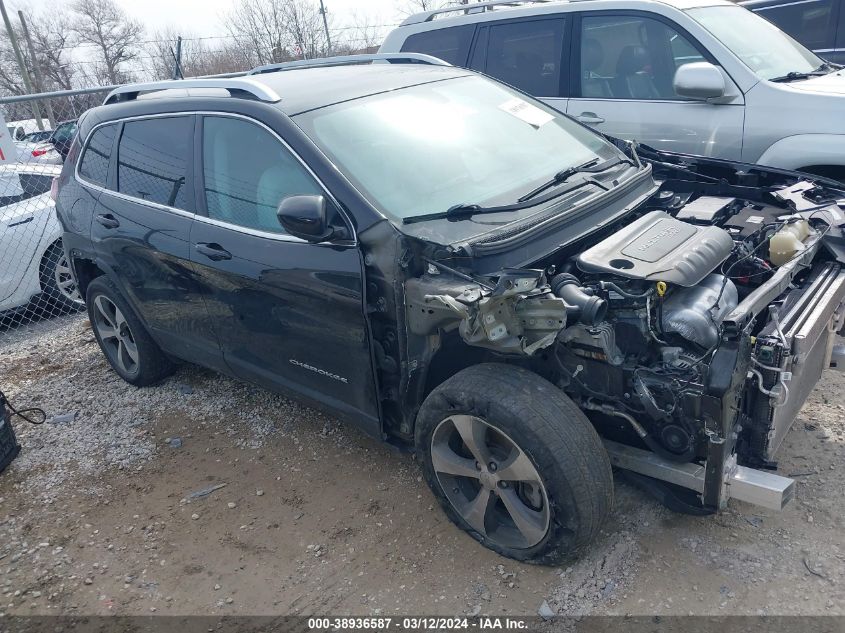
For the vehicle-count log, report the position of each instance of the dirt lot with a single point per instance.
(96, 515)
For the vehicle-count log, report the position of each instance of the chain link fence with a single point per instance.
(35, 279)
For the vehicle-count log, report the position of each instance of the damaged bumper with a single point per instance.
(758, 487)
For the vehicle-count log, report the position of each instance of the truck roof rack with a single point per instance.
(466, 9)
(346, 60)
(237, 86)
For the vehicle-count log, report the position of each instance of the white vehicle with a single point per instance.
(37, 153)
(32, 262)
(32, 144)
(19, 130)
(704, 77)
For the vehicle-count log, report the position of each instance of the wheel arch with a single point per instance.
(802, 151)
(43, 259)
(449, 357)
(85, 270)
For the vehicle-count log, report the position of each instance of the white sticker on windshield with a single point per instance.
(523, 110)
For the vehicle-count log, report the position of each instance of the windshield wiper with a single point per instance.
(590, 167)
(465, 210)
(558, 178)
(795, 75)
(790, 76)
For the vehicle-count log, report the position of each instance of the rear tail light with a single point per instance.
(54, 188)
(40, 152)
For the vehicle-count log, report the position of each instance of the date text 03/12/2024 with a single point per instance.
(418, 623)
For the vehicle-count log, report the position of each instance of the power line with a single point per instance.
(232, 36)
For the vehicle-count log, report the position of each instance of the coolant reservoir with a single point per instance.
(788, 242)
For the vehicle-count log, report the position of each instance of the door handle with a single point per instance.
(214, 252)
(590, 118)
(19, 222)
(107, 220)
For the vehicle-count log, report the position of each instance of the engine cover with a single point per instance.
(657, 247)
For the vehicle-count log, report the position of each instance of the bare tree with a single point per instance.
(111, 32)
(10, 78)
(273, 31)
(305, 28)
(11, 82)
(259, 29)
(199, 56)
(363, 35)
(53, 42)
(408, 7)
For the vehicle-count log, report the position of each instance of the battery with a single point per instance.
(9, 447)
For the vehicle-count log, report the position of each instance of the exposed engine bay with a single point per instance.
(694, 331)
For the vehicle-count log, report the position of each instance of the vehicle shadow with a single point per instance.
(36, 311)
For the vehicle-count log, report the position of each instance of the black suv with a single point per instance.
(452, 265)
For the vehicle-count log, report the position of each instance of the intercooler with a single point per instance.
(790, 354)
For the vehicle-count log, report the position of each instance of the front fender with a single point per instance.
(805, 150)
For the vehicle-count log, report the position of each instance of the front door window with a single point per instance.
(631, 57)
(247, 172)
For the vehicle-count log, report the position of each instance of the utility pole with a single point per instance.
(24, 75)
(36, 70)
(326, 26)
(177, 57)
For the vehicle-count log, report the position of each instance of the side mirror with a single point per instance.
(699, 80)
(305, 217)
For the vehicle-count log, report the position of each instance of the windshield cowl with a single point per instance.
(549, 220)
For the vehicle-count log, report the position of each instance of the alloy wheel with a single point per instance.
(490, 481)
(64, 280)
(118, 340)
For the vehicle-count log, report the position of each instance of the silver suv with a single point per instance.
(703, 77)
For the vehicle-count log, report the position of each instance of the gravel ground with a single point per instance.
(207, 495)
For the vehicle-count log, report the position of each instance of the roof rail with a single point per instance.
(235, 86)
(466, 9)
(346, 60)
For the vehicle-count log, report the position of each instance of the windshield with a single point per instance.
(423, 149)
(762, 46)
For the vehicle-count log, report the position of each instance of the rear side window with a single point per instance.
(95, 161)
(811, 23)
(527, 55)
(153, 160)
(451, 45)
(16, 187)
(247, 172)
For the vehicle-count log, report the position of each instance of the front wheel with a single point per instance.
(515, 463)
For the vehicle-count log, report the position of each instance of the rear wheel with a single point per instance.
(127, 346)
(515, 463)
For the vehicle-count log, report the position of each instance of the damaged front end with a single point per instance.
(691, 332)
(519, 315)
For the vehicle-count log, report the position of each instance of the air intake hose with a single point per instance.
(581, 304)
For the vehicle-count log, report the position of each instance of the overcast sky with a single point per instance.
(206, 17)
